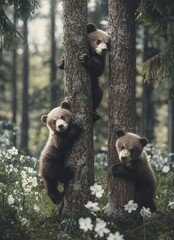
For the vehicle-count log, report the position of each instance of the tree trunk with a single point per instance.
(25, 121)
(14, 80)
(78, 90)
(171, 118)
(122, 113)
(147, 116)
(53, 56)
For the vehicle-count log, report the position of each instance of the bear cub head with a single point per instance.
(59, 119)
(129, 146)
(99, 41)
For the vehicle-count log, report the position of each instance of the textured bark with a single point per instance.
(78, 90)
(122, 112)
(25, 121)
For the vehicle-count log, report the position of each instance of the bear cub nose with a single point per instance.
(104, 50)
(123, 158)
(60, 126)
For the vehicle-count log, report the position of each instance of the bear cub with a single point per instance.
(134, 166)
(63, 132)
(99, 45)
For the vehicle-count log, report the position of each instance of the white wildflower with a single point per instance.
(116, 236)
(171, 205)
(131, 206)
(85, 224)
(22, 158)
(8, 155)
(11, 199)
(24, 221)
(92, 206)
(13, 151)
(145, 212)
(97, 190)
(101, 228)
(36, 208)
(166, 169)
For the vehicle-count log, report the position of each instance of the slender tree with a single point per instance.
(147, 116)
(14, 80)
(25, 121)
(121, 95)
(53, 55)
(78, 90)
(171, 118)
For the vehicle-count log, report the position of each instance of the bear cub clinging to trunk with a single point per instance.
(63, 132)
(134, 165)
(99, 45)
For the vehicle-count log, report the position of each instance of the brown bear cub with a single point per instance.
(63, 132)
(134, 166)
(99, 45)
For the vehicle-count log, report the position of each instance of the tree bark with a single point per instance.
(53, 56)
(122, 113)
(78, 90)
(25, 121)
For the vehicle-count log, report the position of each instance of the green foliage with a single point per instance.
(22, 10)
(7, 30)
(159, 67)
(158, 14)
(20, 187)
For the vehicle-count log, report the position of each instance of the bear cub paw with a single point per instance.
(56, 197)
(61, 63)
(84, 58)
(114, 169)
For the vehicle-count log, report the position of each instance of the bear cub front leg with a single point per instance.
(118, 170)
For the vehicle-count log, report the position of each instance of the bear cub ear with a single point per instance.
(120, 133)
(144, 141)
(66, 105)
(44, 119)
(91, 28)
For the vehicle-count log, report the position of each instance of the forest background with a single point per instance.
(29, 90)
(45, 81)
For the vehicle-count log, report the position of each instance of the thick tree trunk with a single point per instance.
(78, 90)
(25, 121)
(53, 56)
(122, 112)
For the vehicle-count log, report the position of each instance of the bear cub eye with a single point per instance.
(63, 118)
(98, 41)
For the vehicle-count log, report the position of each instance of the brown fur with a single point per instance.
(99, 45)
(63, 131)
(134, 165)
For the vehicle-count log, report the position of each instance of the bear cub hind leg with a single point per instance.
(52, 191)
